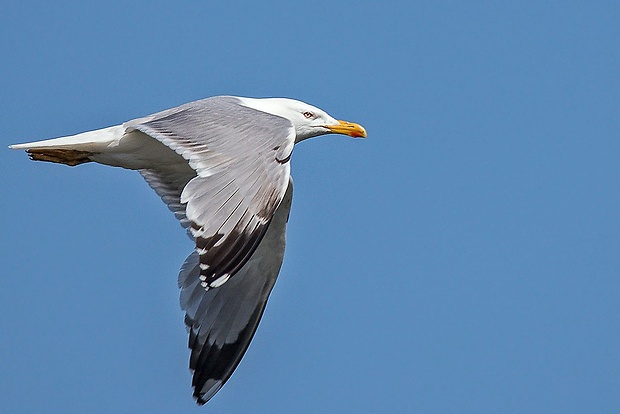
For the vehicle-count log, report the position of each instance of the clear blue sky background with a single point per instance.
(465, 258)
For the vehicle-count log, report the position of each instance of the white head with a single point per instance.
(309, 121)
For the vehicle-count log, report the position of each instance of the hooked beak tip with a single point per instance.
(348, 128)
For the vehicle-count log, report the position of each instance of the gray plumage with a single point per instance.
(237, 183)
(222, 166)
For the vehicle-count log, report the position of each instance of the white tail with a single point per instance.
(74, 149)
(87, 141)
(113, 146)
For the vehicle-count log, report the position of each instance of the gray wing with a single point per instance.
(169, 188)
(222, 322)
(241, 161)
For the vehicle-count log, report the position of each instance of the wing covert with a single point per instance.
(240, 156)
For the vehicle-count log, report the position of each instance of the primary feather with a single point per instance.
(222, 166)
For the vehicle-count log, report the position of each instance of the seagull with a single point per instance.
(222, 166)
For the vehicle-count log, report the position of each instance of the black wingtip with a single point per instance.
(199, 400)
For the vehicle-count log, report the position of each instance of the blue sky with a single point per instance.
(464, 258)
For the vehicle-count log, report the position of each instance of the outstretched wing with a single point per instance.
(169, 189)
(222, 322)
(241, 159)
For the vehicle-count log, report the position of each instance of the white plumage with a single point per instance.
(222, 166)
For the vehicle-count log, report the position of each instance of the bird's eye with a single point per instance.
(308, 114)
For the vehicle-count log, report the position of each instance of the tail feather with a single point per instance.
(75, 149)
(91, 141)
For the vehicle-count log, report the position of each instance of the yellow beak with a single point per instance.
(348, 128)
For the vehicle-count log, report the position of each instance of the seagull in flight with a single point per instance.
(222, 166)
